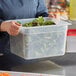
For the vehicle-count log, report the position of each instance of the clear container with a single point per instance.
(40, 41)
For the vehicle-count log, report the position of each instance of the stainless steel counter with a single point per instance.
(63, 65)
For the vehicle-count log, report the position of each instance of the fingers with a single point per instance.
(17, 23)
(55, 15)
(52, 15)
(14, 28)
(14, 33)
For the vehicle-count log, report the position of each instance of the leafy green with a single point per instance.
(38, 22)
(49, 23)
(19, 22)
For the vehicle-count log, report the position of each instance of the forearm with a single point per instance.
(2, 24)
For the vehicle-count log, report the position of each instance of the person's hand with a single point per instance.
(12, 27)
(55, 15)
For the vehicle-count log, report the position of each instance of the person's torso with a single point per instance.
(15, 9)
(18, 9)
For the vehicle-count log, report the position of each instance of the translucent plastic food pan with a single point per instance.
(40, 41)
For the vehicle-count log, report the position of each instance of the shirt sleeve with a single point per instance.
(41, 9)
(0, 18)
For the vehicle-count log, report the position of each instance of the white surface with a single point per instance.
(71, 44)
